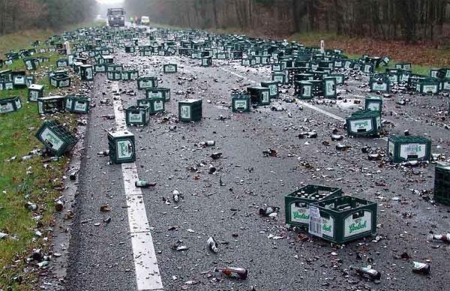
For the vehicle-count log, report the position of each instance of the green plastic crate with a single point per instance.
(303, 89)
(20, 80)
(340, 78)
(343, 219)
(77, 104)
(62, 63)
(329, 88)
(170, 68)
(130, 49)
(373, 103)
(279, 77)
(158, 92)
(364, 123)
(100, 68)
(130, 75)
(86, 72)
(273, 88)
(259, 95)
(122, 147)
(51, 104)
(190, 110)
(56, 138)
(35, 91)
(60, 81)
(428, 86)
(408, 148)
(147, 82)
(137, 115)
(380, 83)
(245, 62)
(10, 104)
(155, 105)
(240, 102)
(442, 184)
(403, 66)
(296, 204)
(30, 64)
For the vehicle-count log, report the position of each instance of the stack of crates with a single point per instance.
(154, 105)
(343, 219)
(296, 204)
(190, 110)
(442, 184)
(156, 92)
(364, 123)
(240, 102)
(409, 148)
(56, 138)
(10, 104)
(121, 147)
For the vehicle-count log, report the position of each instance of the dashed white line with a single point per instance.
(148, 277)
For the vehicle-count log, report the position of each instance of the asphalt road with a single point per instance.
(102, 257)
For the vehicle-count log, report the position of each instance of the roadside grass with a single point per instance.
(35, 179)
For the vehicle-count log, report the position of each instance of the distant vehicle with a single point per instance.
(116, 17)
(145, 20)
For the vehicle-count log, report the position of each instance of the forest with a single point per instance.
(18, 15)
(410, 20)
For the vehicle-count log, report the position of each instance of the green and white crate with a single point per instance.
(381, 84)
(245, 62)
(10, 104)
(122, 147)
(6, 85)
(77, 104)
(428, 86)
(56, 137)
(137, 115)
(114, 75)
(62, 63)
(240, 102)
(51, 104)
(408, 148)
(86, 72)
(20, 81)
(296, 204)
(170, 68)
(30, 64)
(190, 110)
(130, 49)
(364, 123)
(329, 88)
(60, 81)
(373, 103)
(273, 88)
(130, 75)
(403, 66)
(144, 83)
(259, 95)
(343, 219)
(279, 77)
(100, 68)
(206, 62)
(158, 92)
(340, 78)
(303, 90)
(155, 105)
(442, 184)
(35, 91)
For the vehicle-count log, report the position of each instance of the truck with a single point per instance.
(116, 17)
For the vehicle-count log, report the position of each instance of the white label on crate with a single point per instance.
(338, 64)
(378, 121)
(265, 97)
(170, 69)
(306, 91)
(135, 117)
(373, 106)
(315, 221)
(430, 89)
(159, 105)
(245, 62)
(361, 125)
(393, 78)
(18, 104)
(89, 74)
(124, 149)
(69, 104)
(367, 69)
(418, 87)
(299, 214)
(6, 107)
(273, 90)
(379, 87)
(185, 112)
(446, 85)
(330, 88)
(391, 148)
(51, 139)
(154, 94)
(40, 107)
(65, 83)
(278, 79)
(354, 224)
(240, 104)
(19, 80)
(328, 226)
(412, 150)
(276, 68)
(81, 106)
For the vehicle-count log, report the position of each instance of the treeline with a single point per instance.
(384, 19)
(16, 15)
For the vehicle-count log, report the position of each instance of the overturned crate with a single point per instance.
(296, 204)
(10, 104)
(364, 123)
(442, 184)
(409, 148)
(51, 104)
(56, 138)
(190, 110)
(343, 219)
(35, 91)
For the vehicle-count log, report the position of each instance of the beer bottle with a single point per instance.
(238, 273)
(369, 273)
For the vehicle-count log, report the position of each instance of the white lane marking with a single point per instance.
(146, 267)
(298, 101)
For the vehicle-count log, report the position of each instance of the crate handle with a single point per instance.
(358, 214)
(300, 204)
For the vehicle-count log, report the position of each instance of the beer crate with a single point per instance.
(240, 102)
(19, 80)
(170, 68)
(259, 95)
(364, 123)
(60, 81)
(77, 104)
(428, 86)
(206, 61)
(86, 72)
(35, 91)
(158, 92)
(273, 88)
(147, 82)
(296, 204)
(442, 183)
(122, 147)
(408, 148)
(137, 115)
(56, 137)
(329, 88)
(100, 68)
(30, 64)
(51, 104)
(303, 90)
(154, 105)
(130, 49)
(340, 78)
(403, 66)
(130, 75)
(279, 77)
(190, 110)
(373, 103)
(380, 83)
(343, 219)
(62, 63)
(10, 104)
